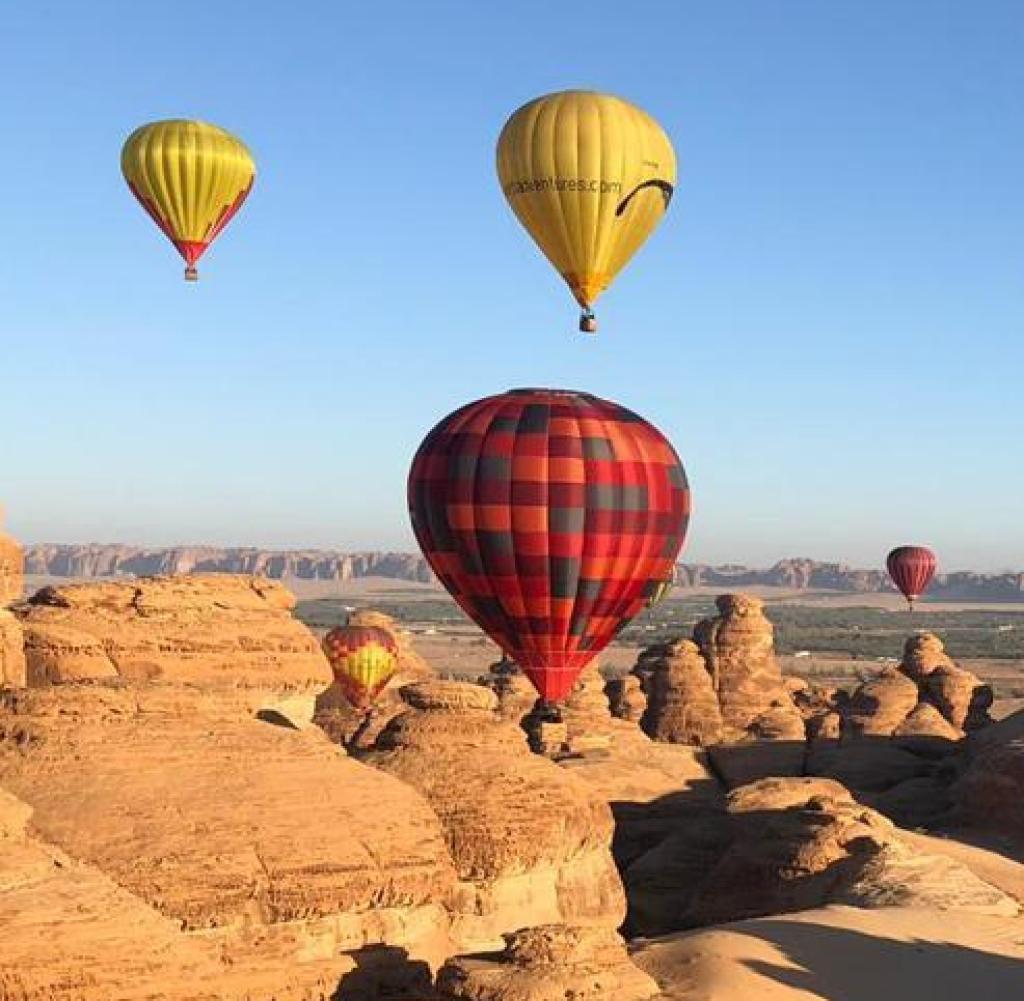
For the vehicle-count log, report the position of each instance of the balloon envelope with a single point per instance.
(911, 569)
(191, 177)
(363, 659)
(551, 517)
(589, 176)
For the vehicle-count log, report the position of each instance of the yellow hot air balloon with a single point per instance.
(191, 177)
(363, 659)
(590, 176)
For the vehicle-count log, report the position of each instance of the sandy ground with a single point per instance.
(844, 954)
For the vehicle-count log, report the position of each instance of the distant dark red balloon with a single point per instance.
(552, 517)
(911, 569)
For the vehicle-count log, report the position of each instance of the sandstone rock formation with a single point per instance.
(12, 567)
(515, 691)
(880, 705)
(214, 630)
(260, 845)
(530, 843)
(922, 654)
(926, 695)
(822, 708)
(586, 713)
(626, 698)
(791, 844)
(550, 963)
(682, 707)
(737, 646)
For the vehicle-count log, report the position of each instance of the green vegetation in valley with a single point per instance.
(859, 633)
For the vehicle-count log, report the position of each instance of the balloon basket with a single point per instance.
(588, 323)
(191, 274)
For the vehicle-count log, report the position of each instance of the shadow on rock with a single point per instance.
(382, 973)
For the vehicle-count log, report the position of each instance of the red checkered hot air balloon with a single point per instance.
(911, 569)
(552, 517)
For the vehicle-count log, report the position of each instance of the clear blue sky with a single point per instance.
(828, 324)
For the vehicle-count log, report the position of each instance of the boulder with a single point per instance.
(959, 696)
(549, 963)
(879, 705)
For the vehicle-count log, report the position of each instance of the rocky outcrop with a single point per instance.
(737, 646)
(626, 698)
(214, 630)
(791, 844)
(922, 654)
(926, 695)
(682, 707)
(260, 842)
(530, 843)
(12, 567)
(550, 963)
(586, 713)
(820, 707)
(515, 691)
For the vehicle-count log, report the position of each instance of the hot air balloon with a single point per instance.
(363, 659)
(911, 569)
(589, 176)
(550, 516)
(191, 178)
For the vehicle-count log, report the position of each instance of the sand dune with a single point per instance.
(843, 954)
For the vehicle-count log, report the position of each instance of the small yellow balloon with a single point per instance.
(589, 176)
(191, 177)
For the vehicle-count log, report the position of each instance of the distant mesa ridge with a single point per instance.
(111, 560)
(114, 560)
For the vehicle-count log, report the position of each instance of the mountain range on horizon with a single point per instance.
(117, 560)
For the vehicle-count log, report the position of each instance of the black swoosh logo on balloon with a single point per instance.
(664, 187)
